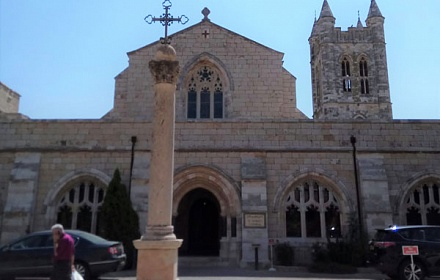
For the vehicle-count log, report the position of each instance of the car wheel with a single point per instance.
(83, 269)
(408, 271)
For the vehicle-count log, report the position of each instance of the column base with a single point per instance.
(157, 259)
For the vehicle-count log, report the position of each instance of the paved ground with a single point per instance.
(217, 273)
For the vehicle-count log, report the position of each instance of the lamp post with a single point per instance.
(358, 198)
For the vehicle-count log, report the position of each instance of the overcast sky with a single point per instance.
(62, 56)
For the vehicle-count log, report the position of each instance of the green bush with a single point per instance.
(350, 251)
(320, 253)
(284, 254)
(341, 252)
(119, 221)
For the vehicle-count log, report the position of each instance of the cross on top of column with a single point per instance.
(166, 20)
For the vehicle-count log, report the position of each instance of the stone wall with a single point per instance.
(9, 100)
(398, 149)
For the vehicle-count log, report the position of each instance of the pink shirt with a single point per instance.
(65, 249)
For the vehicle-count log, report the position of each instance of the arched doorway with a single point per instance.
(198, 224)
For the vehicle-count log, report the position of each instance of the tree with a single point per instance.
(119, 220)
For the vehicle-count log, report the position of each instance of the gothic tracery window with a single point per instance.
(363, 73)
(79, 207)
(205, 94)
(346, 73)
(423, 205)
(312, 210)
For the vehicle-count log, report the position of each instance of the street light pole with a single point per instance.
(353, 143)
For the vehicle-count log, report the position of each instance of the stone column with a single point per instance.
(157, 248)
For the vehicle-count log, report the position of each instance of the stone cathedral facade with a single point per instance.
(249, 166)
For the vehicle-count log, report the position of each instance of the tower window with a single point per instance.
(363, 68)
(363, 73)
(364, 86)
(205, 94)
(345, 67)
(346, 82)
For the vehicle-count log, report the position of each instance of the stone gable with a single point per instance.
(256, 87)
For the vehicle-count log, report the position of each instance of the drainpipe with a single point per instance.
(133, 142)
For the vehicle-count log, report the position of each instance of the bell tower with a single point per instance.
(349, 68)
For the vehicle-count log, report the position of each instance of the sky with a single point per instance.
(62, 56)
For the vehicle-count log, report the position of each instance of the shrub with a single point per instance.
(284, 254)
(349, 251)
(119, 221)
(320, 253)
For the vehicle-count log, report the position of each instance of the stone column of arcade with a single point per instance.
(157, 248)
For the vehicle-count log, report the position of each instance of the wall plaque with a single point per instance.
(255, 220)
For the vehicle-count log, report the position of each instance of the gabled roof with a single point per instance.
(205, 21)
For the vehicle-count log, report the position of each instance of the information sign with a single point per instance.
(410, 250)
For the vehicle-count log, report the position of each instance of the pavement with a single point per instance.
(228, 273)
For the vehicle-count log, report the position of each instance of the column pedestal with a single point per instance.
(157, 259)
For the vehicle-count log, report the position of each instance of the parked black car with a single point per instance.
(32, 254)
(386, 251)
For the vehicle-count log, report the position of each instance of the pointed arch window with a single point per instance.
(79, 207)
(312, 210)
(363, 73)
(346, 75)
(423, 205)
(205, 96)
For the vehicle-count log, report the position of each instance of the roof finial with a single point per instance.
(205, 13)
(359, 24)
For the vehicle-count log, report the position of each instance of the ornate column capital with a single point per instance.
(164, 71)
(165, 67)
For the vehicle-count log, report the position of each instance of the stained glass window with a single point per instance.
(79, 207)
(192, 100)
(312, 210)
(205, 97)
(205, 103)
(293, 221)
(423, 205)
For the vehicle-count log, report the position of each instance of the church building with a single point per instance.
(250, 167)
